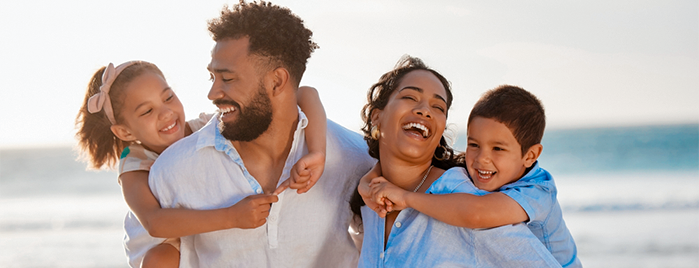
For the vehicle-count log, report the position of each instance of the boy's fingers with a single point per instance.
(389, 205)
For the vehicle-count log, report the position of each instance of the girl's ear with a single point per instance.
(122, 132)
(532, 154)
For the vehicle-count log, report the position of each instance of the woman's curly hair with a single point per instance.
(380, 93)
(378, 97)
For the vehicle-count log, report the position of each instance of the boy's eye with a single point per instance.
(498, 149)
(473, 145)
(147, 112)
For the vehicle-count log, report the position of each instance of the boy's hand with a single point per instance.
(387, 194)
(364, 189)
(304, 174)
(252, 211)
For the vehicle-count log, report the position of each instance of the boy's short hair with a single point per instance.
(275, 33)
(518, 109)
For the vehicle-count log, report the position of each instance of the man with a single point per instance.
(246, 152)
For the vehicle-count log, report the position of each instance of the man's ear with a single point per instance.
(279, 79)
(122, 132)
(531, 155)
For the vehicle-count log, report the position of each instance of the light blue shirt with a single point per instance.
(204, 171)
(417, 240)
(536, 193)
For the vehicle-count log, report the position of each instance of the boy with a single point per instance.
(505, 129)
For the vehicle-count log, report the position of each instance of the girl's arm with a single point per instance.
(306, 172)
(458, 209)
(171, 222)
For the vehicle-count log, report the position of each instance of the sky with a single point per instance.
(592, 63)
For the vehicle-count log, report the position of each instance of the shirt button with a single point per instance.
(381, 255)
(272, 218)
(259, 191)
(398, 224)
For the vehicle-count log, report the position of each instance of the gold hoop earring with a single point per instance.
(375, 133)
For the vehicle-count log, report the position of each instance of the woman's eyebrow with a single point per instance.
(421, 91)
(412, 88)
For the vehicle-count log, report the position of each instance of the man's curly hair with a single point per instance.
(274, 32)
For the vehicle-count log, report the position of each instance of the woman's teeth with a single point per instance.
(425, 131)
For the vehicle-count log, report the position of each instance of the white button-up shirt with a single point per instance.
(204, 171)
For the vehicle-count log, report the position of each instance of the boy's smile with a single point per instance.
(493, 156)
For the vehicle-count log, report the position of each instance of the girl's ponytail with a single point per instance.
(98, 145)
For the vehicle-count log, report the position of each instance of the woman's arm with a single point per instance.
(458, 209)
(172, 222)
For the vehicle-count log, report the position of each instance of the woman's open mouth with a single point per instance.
(417, 128)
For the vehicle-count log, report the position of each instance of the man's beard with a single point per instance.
(253, 120)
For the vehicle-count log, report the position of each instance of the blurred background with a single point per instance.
(619, 81)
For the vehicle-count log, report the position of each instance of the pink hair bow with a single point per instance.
(101, 101)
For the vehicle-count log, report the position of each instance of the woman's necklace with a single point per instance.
(418, 186)
(423, 179)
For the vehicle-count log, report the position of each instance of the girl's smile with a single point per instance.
(152, 114)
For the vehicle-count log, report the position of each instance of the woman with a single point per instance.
(404, 121)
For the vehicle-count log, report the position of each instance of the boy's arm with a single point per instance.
(467, 210)
(458, 209)
(172, 222)
(306, 172)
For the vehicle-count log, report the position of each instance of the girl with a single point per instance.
(130, 112)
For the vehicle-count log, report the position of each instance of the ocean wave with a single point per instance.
(57, 225)
(600, 207)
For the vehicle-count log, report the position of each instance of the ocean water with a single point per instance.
(630, 197)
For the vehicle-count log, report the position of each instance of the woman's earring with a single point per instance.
(375, 133)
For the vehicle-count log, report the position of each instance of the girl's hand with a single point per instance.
(387, 194)
(304, 174)
(252, 211)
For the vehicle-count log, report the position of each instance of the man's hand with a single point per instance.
(304, 174)
(252, 211)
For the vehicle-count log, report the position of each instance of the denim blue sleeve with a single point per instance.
(535, 192)
(455, 180)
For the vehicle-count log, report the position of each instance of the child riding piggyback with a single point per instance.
(129, 116)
